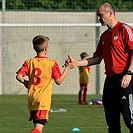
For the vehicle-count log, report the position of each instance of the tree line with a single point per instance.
(65, 5)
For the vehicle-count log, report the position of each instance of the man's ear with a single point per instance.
(110, 13)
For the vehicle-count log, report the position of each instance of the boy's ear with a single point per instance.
(46, 48)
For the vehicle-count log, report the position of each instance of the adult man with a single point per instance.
(116, 49)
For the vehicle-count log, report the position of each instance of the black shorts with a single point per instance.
(40, 122)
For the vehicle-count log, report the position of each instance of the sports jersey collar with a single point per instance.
(115, 26)
(41, 57)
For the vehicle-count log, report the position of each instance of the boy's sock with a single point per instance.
(35, 131)
(84, 95)
(79, 96)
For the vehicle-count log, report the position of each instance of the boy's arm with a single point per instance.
(62, 77)
(20, 78)
(68, 66)
(21, 73)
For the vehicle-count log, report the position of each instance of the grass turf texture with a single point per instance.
(88, 118)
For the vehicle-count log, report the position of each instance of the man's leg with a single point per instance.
(111, 104)
(126, 102)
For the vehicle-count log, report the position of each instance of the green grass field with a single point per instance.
(88, 118)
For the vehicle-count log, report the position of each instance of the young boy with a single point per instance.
(40, 71)
(83, 80)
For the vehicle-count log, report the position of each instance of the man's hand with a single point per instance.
(71, 61)
(125, 81)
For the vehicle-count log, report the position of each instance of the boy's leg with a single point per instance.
(35, 131)
(37, 128)
(39, 117)
(85, 94)
(80, 95)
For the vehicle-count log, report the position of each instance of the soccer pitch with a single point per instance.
(88, 118)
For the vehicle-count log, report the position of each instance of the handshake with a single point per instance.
(70, 63)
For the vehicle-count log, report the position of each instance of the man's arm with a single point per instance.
(131, 62)
(127, 78)
(93, 61)
(88, 62)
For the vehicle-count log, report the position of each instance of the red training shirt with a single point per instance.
(114, 47)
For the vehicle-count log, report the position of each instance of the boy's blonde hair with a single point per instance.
(38, 42)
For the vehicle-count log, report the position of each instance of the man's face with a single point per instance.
(103, 16)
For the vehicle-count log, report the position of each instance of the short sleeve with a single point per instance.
(128, 36)
(88, 67)
(23, 70)
(56, 71)
(98, 52)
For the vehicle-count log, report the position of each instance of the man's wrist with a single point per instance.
(129, 72)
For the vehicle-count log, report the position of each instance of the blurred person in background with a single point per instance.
(84, 72)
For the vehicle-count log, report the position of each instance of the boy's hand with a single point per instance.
(26, 83)
(70, 62)
(70, 59)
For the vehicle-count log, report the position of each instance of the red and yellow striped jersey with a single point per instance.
(40, 71)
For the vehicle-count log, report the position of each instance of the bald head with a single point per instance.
(106, 15)
(107, 7)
